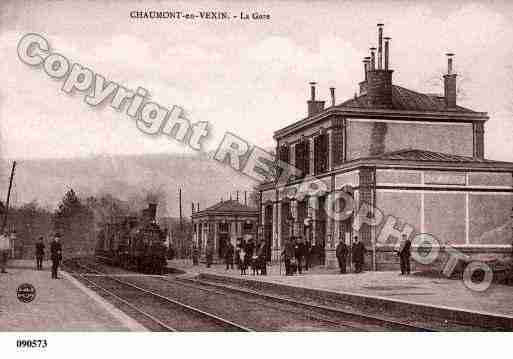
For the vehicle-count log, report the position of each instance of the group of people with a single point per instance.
(357, 255)
(55, 253)
(247, 254)
(296, 253)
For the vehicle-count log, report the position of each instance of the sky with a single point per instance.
(247, 77)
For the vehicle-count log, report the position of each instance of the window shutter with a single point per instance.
(337, 137)
(321, 153)
(300, 158)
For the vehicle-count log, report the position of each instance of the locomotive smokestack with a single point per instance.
(152, 211)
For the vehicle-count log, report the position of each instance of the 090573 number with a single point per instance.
(31, 343)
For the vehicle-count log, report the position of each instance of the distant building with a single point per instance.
(222, 223)
(414, 156)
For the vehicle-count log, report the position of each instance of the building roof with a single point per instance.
(423, 155)
(422, 159)
(406, 104)
(228, 207)
(404, 99)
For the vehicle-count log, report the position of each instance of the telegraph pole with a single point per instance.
(180, 204)
(8, 196)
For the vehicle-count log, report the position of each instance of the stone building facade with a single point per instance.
(223, 222)
(416, 160)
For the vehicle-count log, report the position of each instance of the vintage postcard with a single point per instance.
(269, 166)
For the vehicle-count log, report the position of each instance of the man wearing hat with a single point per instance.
(56, 254)
(358, 255)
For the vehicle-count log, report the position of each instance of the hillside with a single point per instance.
(202, 179)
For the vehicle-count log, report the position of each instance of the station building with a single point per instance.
(417, 158)
(224, 222)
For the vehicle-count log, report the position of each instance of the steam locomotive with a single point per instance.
(136, 243)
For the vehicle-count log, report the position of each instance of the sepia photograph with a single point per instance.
(172, 172)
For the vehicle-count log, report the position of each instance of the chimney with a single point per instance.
(332, 92)
(366, 68)
(379, 80)
(450, 84)
(387, 51)
(380, 46)
(373, 59)
(314, 106)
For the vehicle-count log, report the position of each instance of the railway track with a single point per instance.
(341, 315)
(227, 300)
(257, 314)
(155, 311)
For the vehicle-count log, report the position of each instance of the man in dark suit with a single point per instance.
(358, 255)
(40, 253)
(288, 254)
(299, 252)
(404, 255)
(55, 255)
(341, 252)
(209, 254)
(228, 255)
(308, 248)
(262, 260)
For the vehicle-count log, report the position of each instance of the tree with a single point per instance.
(30, 221)
(107, 208)
(75, 222)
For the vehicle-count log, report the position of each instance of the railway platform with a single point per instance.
(59, 305)
(423, 295)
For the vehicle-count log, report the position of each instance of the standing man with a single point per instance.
(358, 255)
(195, 255)
(262, 260)
(40, 253)
(341, 252)
(209, 254)
(288, 254)
(299, 250)
(56, 255)
(404, 255)
(5, 247)
(228, 255)
(308, 248)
